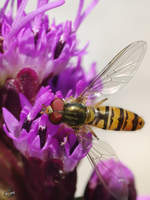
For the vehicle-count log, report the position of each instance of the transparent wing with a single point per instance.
(117, 73)
(99, 153)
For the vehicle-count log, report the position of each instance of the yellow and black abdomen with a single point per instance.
(113, 118)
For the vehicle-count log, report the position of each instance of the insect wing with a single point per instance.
(117, 72)
(99, 153)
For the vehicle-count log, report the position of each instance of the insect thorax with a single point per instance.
(74, 114)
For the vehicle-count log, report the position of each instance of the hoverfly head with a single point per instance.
(56, 110)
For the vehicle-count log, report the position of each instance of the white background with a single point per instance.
(109, 28)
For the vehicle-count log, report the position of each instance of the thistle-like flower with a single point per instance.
(34, 51)
(36, 66)
(35, 136)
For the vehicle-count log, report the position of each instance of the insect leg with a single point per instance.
(43, 109)
(93, 133)
(100, 102)
(69, 99)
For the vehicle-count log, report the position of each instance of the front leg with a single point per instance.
(82, 130)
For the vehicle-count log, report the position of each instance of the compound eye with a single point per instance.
(57, 106)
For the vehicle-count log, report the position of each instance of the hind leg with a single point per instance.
(100, 102)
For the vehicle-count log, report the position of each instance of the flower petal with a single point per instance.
(21, 23)
(11, 122)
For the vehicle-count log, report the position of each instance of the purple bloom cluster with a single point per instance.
(122, 188)
(35, 59)
(29, 41)
(111, 170)
(35, 53)
(35, 136)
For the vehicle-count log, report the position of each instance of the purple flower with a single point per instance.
(32, 50)
(35, 59)
(34, 53)
(35, 136)
(26, 39)
(50, 153)
(119, 182)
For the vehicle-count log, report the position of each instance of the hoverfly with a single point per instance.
(77, 114)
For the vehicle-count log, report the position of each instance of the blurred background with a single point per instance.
(110, 27)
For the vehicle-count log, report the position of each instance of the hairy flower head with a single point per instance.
(36, 51)
(39, 61)
(32, 46)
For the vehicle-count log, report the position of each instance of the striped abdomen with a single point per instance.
(112, 118)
